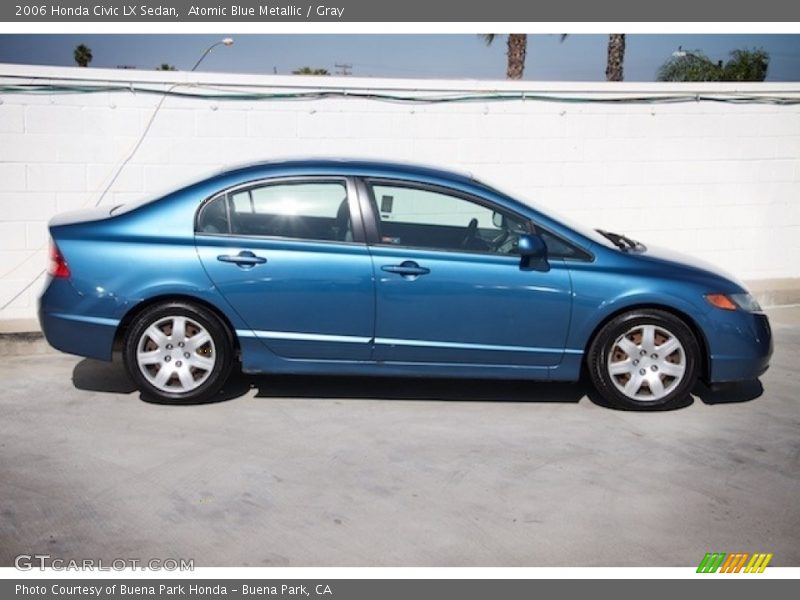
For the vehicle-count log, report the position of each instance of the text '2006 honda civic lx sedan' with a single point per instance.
(373, 268)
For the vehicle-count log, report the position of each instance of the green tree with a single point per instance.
(82, 55)
(747, 65)
(744, 65)
(310, 71)
(166, 67)
(616, 56)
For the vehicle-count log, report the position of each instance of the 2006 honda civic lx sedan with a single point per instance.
(372, 268)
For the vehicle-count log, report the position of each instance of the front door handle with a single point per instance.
(244, 259)
(407, 268)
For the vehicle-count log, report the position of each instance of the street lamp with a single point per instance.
(223, 42)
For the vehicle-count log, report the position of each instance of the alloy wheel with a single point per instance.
(176, 354)
(647, 362)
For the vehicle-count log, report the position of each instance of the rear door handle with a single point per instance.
(407, 268)
(244, 259)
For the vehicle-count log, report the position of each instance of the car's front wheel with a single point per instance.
(178, 352)
(646, 359)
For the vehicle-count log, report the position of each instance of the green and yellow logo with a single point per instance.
(714, 562)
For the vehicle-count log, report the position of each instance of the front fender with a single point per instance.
(599, 296)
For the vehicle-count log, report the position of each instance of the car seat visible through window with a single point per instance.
(343, 229)
(214, 217)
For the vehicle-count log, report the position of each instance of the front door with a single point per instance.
(450, 288)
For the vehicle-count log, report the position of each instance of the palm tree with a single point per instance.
(747, 65)
(744, 65)
(83, 55)
(616, 56)
(517, 50)
(689, 66)
(310, 71)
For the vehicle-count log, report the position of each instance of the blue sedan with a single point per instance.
(372, 268)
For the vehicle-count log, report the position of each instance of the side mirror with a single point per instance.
(532, 246)
(533, 252)
(498, 220)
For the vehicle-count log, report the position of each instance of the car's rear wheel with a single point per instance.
(647, 359)
(178, 352)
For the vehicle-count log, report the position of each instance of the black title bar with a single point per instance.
(734, 587)
(399, 11)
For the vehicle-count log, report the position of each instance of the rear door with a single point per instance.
(289, 256)
(450, 287)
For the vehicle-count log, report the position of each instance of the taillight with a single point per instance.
(58, 266)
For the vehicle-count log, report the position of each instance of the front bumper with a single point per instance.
(740, 347)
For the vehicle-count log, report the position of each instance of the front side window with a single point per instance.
(300, 210)
(425, 218)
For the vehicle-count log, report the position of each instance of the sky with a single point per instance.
(580, 57)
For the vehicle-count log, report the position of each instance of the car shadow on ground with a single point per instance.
(730, 393)
(99, 376)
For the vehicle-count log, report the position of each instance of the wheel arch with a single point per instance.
(702, 342)
(140, 307)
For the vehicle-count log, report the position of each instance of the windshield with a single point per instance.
(578, 227)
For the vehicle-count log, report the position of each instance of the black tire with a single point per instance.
(676, 389)
(220, 349)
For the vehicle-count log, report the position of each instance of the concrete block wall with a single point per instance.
(717, 180)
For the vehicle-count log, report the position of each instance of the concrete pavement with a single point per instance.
(363, 472)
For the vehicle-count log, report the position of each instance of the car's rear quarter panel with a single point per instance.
(118, 263)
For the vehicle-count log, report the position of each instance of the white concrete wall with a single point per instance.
(717, 180)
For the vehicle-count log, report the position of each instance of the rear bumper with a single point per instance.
(741, 348)
(66, 329)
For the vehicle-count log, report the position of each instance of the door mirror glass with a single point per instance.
(498, 220)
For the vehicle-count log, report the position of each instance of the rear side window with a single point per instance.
(316, 210)
(213, 217)
(309, 211)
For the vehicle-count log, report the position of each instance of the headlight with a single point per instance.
(746, 302)
(733, 301)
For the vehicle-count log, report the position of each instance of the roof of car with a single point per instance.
(354, 164)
